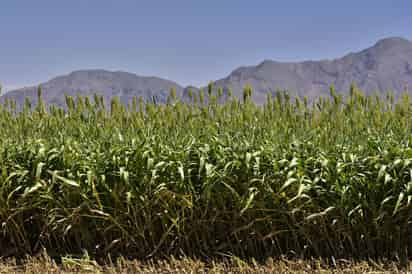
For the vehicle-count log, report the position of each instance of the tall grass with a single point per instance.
(326, 178)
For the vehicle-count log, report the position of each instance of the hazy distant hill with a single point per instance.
(385, 66)
(107, 83)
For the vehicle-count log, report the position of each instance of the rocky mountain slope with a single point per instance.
(88, 82)
(385, 66)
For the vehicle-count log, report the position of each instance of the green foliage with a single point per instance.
(190, 94)
(210, 89)
(229, 92)
(219, 92)
(331, 177)
(247, 93)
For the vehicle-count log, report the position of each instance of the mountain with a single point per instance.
(385, 66)
(88, 82)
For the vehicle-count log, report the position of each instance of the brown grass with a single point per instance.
(44, 264)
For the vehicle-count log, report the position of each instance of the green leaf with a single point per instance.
(32, 189)
(381, 172)
(252, 193)
(287, 183)
(39, 170)
(398, 203)
(66, 181)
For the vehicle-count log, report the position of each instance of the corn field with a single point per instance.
(331, 177)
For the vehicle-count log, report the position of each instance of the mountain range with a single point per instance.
(385, 66)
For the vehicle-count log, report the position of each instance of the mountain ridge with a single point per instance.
(387, 65)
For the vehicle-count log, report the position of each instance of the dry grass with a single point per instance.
(44, 264)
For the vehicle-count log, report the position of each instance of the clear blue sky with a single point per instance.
(189, 41)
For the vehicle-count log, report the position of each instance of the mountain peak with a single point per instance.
(391, 42)
(387, 65)
(266, 62)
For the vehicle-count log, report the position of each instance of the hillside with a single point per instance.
(385, 66)
(107, 83)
